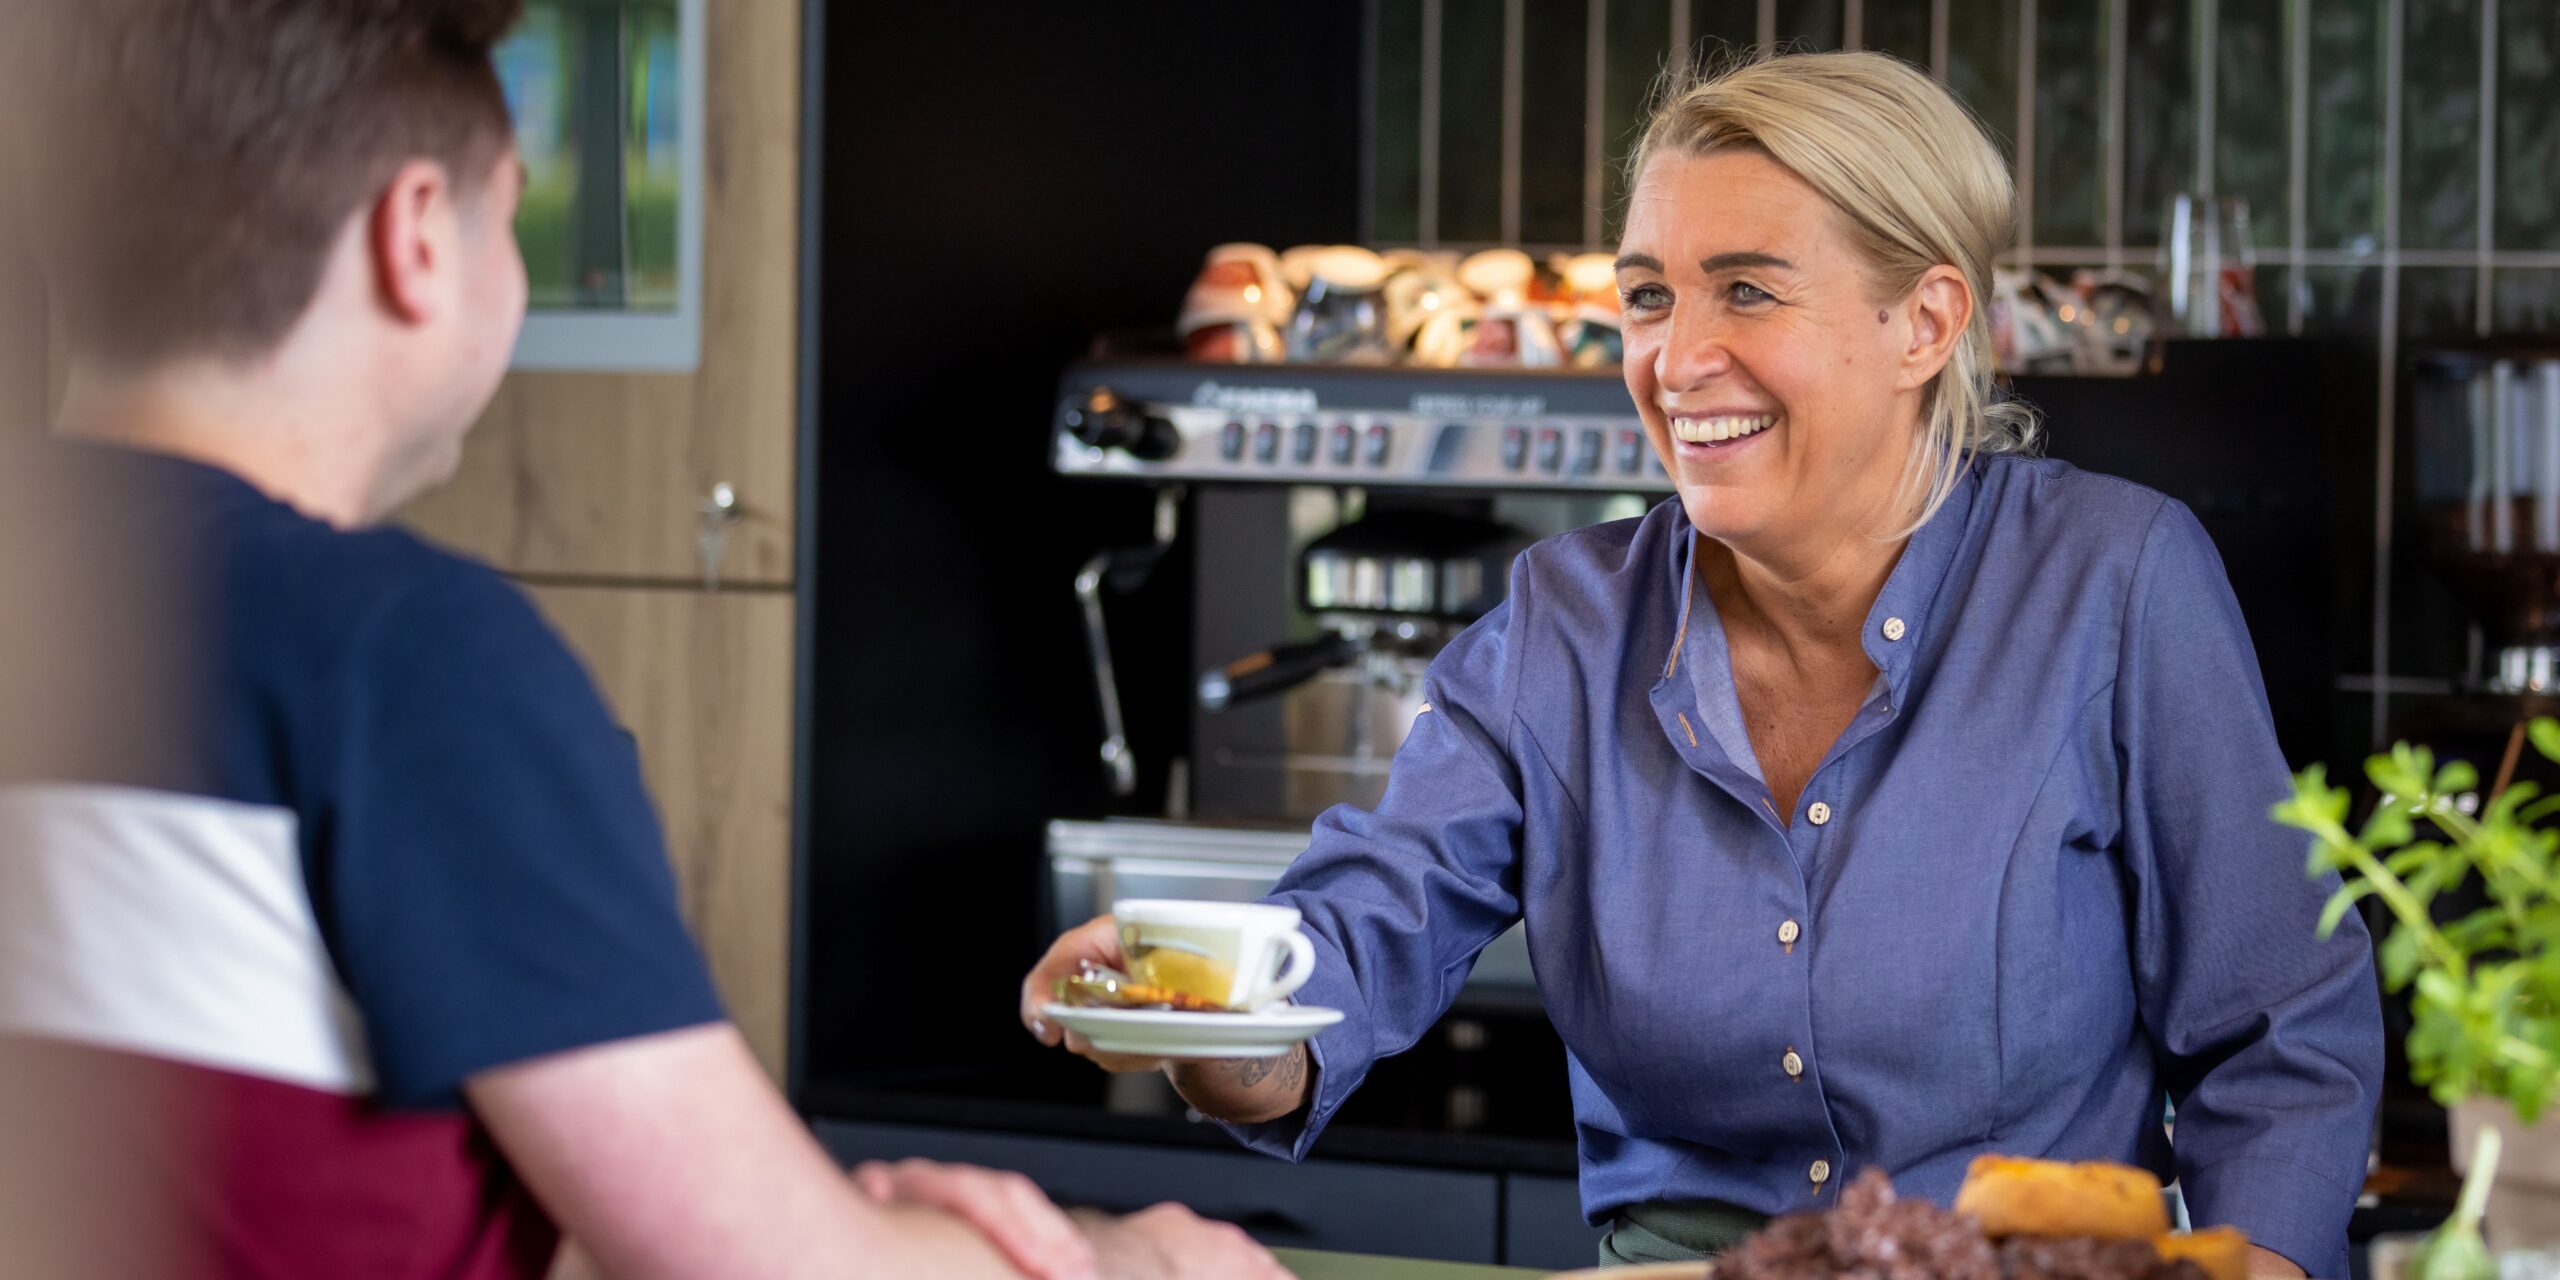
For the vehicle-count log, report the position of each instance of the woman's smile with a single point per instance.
(1719, 437)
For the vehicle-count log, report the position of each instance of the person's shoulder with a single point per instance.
(1611, 560)
(2055, 506)
(364, 587)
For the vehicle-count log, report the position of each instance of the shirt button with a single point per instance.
(1795, 1067)
(1820, 813)
(1821, 1172)
(1788, 932)
(1893, 628)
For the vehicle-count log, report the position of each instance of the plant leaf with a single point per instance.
(2545, 733)
(2399, 956)
(2387, 827)
(2456, 777)
(2339, 903)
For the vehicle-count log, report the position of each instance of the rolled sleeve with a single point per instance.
(1400, 900)
(2269, 1038)
(2298, 1212)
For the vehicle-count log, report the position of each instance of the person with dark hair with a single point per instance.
(357, 884)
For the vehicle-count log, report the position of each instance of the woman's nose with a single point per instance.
(1693, 352)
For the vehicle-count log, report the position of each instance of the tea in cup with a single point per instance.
(1237, 955)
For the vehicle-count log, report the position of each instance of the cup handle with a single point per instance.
(1293, 975)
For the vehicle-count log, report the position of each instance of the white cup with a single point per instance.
(1237, 954)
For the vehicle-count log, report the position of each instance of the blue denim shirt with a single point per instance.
(2031, 891)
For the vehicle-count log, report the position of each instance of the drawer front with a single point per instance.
(1352, 1208)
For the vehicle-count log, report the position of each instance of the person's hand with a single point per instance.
(1169, 1242)
(1097, 940)
(1032, 1234)
(2267, 1262)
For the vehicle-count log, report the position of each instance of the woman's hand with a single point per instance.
(1097, 940)
(2267, 1262)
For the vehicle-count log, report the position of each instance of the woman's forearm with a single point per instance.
(1244, 1090)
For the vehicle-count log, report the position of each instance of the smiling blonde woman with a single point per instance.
(1888, 798)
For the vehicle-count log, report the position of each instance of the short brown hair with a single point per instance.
(218, 147)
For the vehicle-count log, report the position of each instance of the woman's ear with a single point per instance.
(1940, 307)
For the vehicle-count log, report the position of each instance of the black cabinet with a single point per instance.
(1542, 1223)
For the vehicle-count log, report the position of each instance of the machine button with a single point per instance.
(1345, 440)
(1515, 448)
(1631, 451)
(1302, 444)
(1379, 438)
(1550, 450)
(1586, 452)
(1266, 442)
(1231, 442)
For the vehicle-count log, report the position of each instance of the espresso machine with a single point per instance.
(2485, 511)
(1345, 523)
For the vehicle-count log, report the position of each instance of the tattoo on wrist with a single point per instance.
(1290, 1067)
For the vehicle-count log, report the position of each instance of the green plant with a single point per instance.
(2486, 1006)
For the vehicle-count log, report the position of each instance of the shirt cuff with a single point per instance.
(2283, 1206)
(1340, 1056)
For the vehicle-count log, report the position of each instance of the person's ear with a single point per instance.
(411, 242)
(1940, 307)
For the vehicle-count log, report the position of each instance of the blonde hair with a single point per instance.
(1918, 183)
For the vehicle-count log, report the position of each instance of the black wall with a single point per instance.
(1000, 184)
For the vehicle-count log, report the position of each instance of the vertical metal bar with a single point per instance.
(1368, 215)
(2111, 176)
(806, 515)
(2026, 131)
(2482, 310)
(1853, 25)
(1681, 54)
(1938, 38)
(2297, 43)
(2207, 15)
(1427, 224)
(2384, 444)
(1768, 23)
(1514, 34)
(1595, 71)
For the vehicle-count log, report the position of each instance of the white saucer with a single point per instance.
(1165, 1033)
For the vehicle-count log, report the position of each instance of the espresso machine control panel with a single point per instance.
(1400, 428)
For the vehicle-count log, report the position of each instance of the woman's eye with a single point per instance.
(1644, 297)
(1747, 294)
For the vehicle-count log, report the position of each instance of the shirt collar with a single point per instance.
(1895, 624)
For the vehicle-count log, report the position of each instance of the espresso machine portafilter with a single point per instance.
(1388, 588)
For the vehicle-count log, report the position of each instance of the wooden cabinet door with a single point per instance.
(704, 681)
(604, 475)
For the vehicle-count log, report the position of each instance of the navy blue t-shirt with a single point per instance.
(484, 872)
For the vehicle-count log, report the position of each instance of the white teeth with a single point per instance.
(1721, 427)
